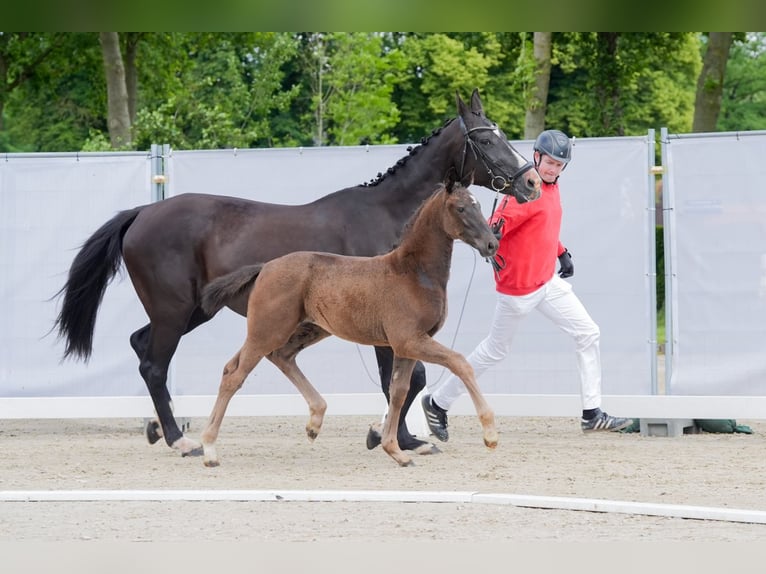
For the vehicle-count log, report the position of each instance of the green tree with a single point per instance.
(438, 66)
(743, 105)
(118, 114)
(349, 79)
(607, 84)
(220, 90)
(63, 97)
(707, 104)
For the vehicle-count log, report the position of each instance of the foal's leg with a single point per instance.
(427, 349)
(284, 358)
(234, 374)
(407, 441)
(400, 383)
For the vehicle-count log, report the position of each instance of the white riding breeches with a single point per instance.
(557, 302)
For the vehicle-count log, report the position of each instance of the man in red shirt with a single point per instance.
(525, 279)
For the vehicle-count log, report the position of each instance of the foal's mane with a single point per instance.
(412, 151)
(411, 221)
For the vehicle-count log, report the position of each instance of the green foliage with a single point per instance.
(744, 97)
(265, 89)
(219, 93)
(606, 84)
(63, 98)
(355, 74)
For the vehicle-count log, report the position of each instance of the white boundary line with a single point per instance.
(525, 501)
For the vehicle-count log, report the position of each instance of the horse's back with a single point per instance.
(354, 298)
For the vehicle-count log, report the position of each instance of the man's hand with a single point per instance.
(497, 228)
(566, 267)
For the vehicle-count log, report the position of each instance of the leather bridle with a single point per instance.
(498, 182)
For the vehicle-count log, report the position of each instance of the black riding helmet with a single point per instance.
(556, 144)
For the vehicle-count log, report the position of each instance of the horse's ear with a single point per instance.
(450, 178)
(476, 106)
(462, 109)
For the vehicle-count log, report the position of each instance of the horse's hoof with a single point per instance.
(152, 431)
(312, 434)
(416, 445)
(409, 462)
(373, 438)
(211, 463)
(427, 448)
(196, 452)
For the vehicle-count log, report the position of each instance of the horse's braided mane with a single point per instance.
(401, 161)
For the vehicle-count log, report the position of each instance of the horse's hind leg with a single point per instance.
(317, 404)
(140, 343)
(407, 441)
(234, 374)
(284, 359)
(155, 345)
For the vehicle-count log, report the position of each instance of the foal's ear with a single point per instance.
(450, 178)
(467, 180)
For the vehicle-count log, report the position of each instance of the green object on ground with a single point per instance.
(722, 426)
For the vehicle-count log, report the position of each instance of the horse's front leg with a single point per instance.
(431, 351)
(407, 441)
(234, 374)
(400, 384)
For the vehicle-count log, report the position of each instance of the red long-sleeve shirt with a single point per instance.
(530, 242)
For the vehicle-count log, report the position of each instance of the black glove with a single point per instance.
(497, 228)
(566, 267)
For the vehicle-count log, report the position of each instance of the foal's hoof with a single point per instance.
(211, 463)
(490, 443)
(152, 430)
(312, 434)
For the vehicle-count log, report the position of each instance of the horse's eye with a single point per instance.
(460, 209)
(484, 142)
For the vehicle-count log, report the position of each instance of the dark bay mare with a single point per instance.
(173, 248)
(398, 300)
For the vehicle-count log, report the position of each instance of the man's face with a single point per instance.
(548, 168)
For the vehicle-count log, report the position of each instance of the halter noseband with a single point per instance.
(498, 182)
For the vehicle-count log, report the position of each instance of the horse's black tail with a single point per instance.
(221, 290)
(92, 270)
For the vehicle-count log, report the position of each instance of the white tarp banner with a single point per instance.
(717, 224)
(49, 205)
(606, 227)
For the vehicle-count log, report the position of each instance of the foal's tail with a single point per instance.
(221, 290)
(93, 268)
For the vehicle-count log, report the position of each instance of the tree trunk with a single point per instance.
(131, 72)
(534, 121)
(707, 103)
(118, 116)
